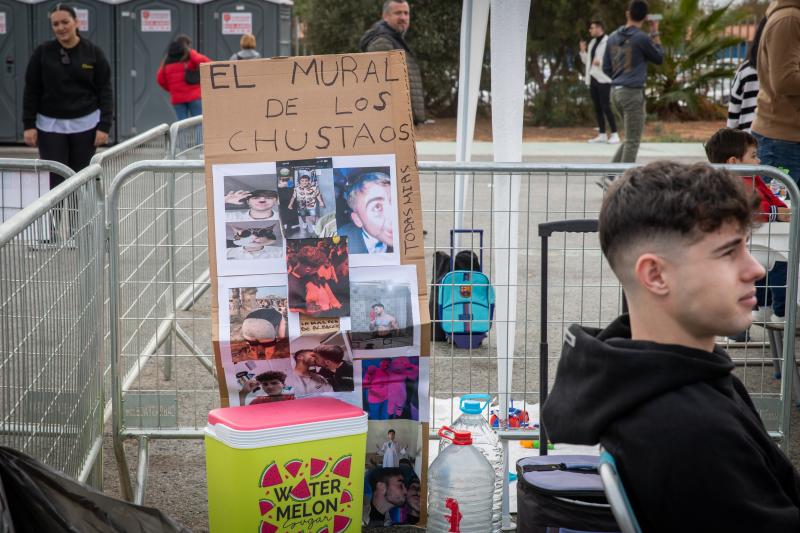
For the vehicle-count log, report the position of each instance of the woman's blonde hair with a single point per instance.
(248, 41)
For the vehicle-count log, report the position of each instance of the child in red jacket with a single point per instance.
(738, 147)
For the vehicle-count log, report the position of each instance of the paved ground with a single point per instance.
(581, 289)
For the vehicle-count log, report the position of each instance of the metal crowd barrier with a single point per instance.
(581, 289)
(51, 256)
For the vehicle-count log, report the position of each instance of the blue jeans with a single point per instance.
(378, 411)
(771, 290)
(188, 109)
(777, 153)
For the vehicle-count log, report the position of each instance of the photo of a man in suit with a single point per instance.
(371, 227)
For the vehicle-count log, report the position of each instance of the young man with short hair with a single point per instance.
(628, 51)
(599, 82)
(261, 206)
(652, 387)
(334, 367)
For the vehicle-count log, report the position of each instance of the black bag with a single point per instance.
(34, 497)
(191, 75)
(467, 260)
(565, 491)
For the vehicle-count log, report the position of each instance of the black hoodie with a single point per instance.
(692, 451)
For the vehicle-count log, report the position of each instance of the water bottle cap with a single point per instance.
(459, 438)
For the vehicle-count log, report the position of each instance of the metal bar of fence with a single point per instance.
(50, 305)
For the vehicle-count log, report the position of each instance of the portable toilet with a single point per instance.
(222, 23)
(95, 22)
(144, 30)
(15, 50)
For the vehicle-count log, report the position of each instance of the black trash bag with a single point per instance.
(36, 498)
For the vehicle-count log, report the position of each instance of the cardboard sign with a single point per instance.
(83, 19)
(3, 27)
(237, 23)
(156, 20)
(312, 181)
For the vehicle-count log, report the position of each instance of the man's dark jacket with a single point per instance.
(692, 451)
(382, 38)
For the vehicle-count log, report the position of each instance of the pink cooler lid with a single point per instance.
(282, 414)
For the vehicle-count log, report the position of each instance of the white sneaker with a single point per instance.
(601, 138)
(614, 138)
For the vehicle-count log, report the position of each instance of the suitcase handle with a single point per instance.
(453, 246)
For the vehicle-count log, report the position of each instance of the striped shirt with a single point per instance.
(744, 93)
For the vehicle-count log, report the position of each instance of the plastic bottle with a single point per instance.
(460, 483)
(484, 439)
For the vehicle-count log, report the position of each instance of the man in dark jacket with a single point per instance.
(625, 61)
(387, 34)
(653, 388)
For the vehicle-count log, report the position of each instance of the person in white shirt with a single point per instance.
(599, 83)
(262, 205)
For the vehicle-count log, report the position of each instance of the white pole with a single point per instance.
(508, 45)
(474, 20)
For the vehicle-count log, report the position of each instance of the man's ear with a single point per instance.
(356, 219)
(650, 274)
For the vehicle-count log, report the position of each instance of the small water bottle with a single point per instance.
(472, 407)
(460, 486)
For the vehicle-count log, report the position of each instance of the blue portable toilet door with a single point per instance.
(96, 23)
(15, 50)
(223, 22)
(144, 30)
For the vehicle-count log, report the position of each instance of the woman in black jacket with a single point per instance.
(67, 106)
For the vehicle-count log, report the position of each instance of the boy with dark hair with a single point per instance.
(335, 369)
(272, 383)
(652, 387)
(738, 147)
(628, 51)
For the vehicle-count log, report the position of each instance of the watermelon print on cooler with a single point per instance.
(271, 476)
(301, 491)
(347, 497)
(266, 527)
(342, 466)
(318, 467)
(324, 529)
(340, 523)
(293, 467)
(265, 506)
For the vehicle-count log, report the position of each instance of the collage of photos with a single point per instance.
(313, 301)
(392, 477)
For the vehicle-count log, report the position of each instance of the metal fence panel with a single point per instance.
(51, 255)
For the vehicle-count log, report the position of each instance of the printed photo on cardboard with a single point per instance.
(393, 469)
(260, 382)
(257, 323)
(306, 193)
(391, 388)
(384, 311)
(319, 277)
(366, 208)
(247, 224)
(251, 198)
(248, 241)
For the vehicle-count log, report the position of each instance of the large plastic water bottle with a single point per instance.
(472, 406)
(460, 483)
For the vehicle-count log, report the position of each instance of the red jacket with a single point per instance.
(770, 203)
(170, 77)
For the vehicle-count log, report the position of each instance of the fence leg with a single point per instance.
(141, 474)
(125, 485)
(507, 524)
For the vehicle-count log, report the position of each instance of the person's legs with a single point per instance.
(594, 91)
(81, 149)
(181, 111)
(604, 92)
(195, 107)
(777, 153)
(632, 102)
(619, 110)
(776, 282)
(55, 147)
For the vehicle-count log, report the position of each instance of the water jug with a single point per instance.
(460, 487)
(472, 406)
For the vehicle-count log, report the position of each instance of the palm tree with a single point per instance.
(693, 40)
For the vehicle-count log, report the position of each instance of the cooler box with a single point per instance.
(288, 466)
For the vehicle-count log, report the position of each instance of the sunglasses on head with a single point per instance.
(64, 57)
(258, 232)
(261, 344)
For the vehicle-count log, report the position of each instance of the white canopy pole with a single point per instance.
(474, 20)
(508, 44)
